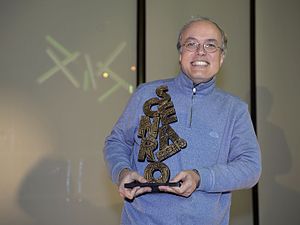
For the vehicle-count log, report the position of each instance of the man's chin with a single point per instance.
(196, 78)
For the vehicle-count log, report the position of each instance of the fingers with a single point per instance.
(127, 193)
(143, 190)
(189, 180)
(134, 192)
(127, 176)
(174, 190)
(140, 178)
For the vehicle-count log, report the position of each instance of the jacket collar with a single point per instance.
(185, 84)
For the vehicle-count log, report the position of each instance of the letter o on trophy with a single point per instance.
(157, 167)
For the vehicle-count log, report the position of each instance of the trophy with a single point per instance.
(156, 133)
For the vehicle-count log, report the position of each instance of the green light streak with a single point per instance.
(114, 76)
(90, 71)
(103, 67)
(114, 54)
(131, 89)
(58, 46)
(109, 92)
(86, 80)
(89, 76)
(52, 71)
(64, 69)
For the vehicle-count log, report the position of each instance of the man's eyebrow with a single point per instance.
(191, 39)
(211, 40)
(195, 39)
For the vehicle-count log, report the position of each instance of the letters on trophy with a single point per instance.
(156, 133)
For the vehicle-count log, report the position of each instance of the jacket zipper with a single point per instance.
(191, 112)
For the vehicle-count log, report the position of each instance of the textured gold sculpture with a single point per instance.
(150, 130)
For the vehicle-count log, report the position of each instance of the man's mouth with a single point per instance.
(200, 63)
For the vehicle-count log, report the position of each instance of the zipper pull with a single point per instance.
(194, 91)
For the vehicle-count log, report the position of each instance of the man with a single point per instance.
(222, 153)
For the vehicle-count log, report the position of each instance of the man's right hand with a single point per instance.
(128, 176)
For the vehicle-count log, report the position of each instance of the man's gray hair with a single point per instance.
(197, 19)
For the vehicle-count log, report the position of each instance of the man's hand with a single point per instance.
(128, 176)
(190, 181)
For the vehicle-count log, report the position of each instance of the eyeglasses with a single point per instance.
(208, 46)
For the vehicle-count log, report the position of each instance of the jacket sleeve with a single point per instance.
(243, 167)
(119, 144)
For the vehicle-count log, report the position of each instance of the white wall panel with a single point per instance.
(278, 91)
(56, 108)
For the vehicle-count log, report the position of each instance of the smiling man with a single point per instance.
(201, 45)
(219, 154)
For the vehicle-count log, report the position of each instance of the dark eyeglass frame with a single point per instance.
(208, 46)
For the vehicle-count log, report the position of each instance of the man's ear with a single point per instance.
(222, 58)
(179, 58)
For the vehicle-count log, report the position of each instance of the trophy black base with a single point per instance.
(153, 186)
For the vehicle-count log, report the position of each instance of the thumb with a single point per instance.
(139, 178)
(179, 177)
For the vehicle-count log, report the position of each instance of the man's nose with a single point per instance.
(201, 50)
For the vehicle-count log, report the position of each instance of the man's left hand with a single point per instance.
(189, 181)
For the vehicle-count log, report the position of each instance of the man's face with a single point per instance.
(201, 66)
